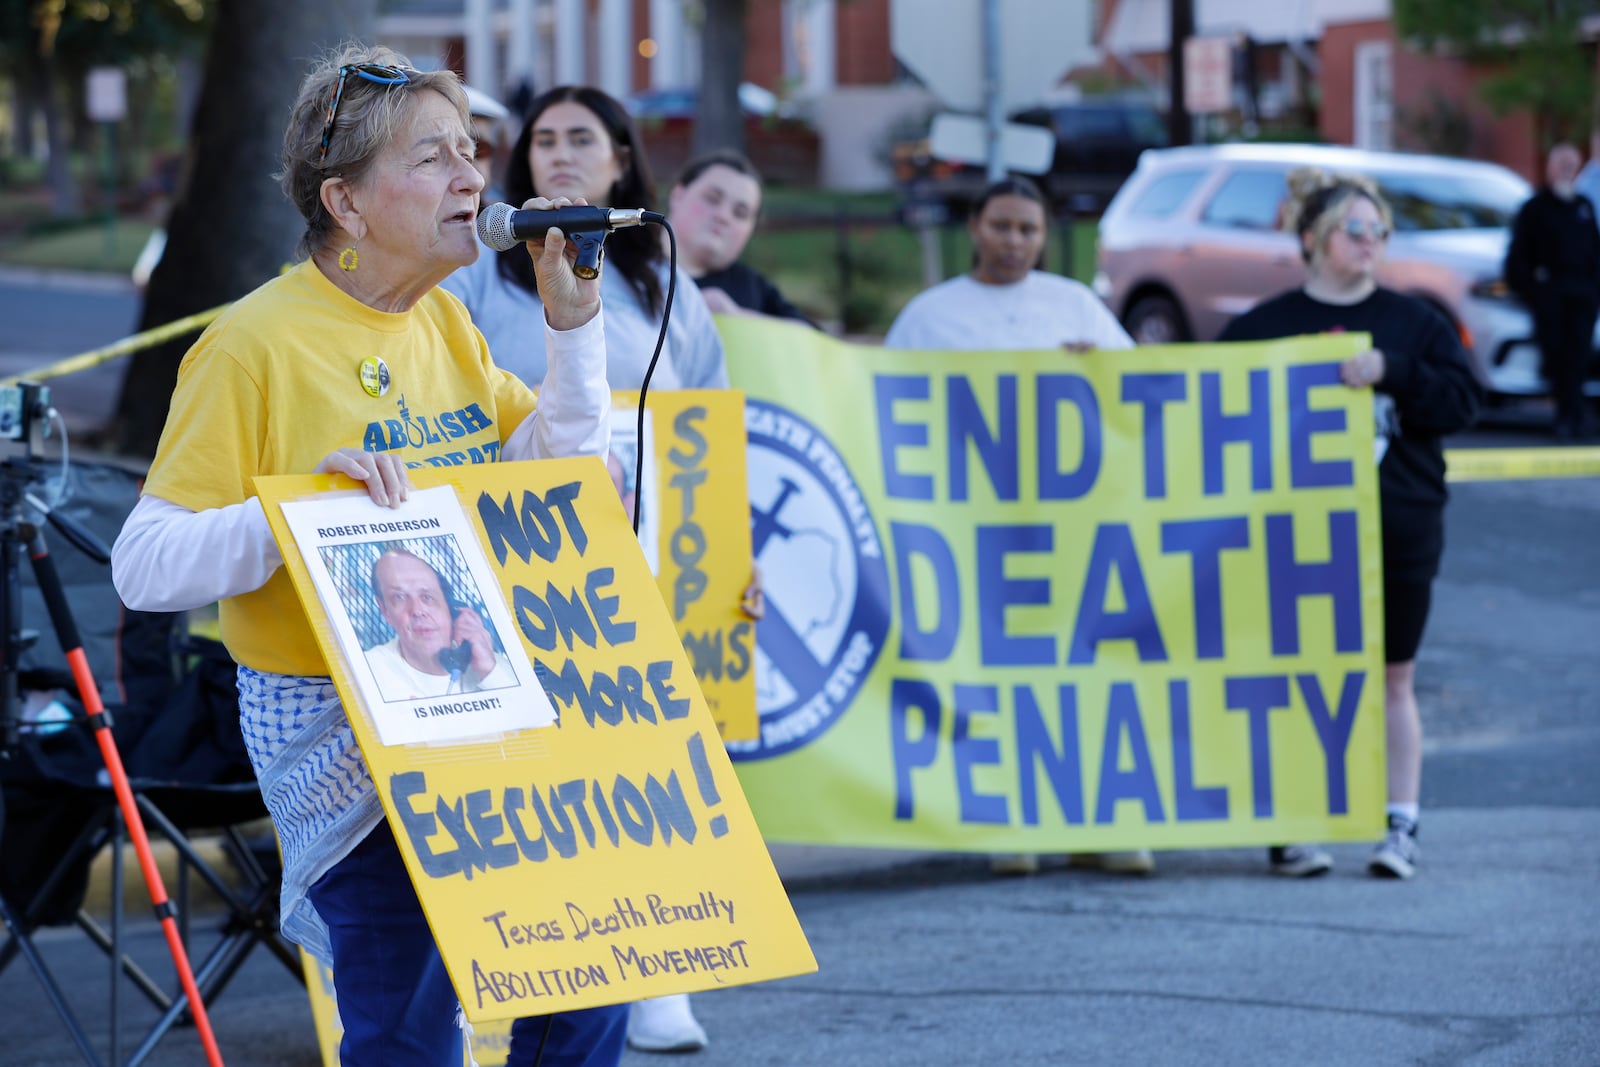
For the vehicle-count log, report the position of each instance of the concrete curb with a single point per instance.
(797, 866)
(82, 281)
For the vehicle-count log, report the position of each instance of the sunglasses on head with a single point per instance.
(1355, 229)
(376, 73)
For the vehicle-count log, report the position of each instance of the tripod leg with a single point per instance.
(13, 643)
(24, 944)
(116, 935)
(55, 599)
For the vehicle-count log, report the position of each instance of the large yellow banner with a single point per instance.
(1057, 602)
(608, 858)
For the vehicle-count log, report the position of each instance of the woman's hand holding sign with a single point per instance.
(384, 473)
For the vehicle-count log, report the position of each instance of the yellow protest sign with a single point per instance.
(701, 525)
(324, 1010)
(610, 857)
(1054, 602)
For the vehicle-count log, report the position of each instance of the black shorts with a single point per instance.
(1405, 612)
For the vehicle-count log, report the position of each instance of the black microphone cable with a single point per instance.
(544, 1039)
(649, 371)
(638, 441)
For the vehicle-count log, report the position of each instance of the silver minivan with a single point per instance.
(1193, 239)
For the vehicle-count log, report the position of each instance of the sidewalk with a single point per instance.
(1487, 958)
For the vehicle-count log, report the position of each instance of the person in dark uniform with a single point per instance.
(1553, 265)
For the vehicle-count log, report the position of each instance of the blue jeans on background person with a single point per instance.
(395, 998)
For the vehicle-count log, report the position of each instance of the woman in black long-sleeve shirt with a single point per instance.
(1423, 388)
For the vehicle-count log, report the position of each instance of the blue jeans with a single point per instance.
(395, 999)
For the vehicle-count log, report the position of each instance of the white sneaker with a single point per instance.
(1397, 854)
(1299, 861)
(665, 1024)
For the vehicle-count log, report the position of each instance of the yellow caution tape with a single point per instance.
(147, 339)
(1462, 464)
(1502, 464)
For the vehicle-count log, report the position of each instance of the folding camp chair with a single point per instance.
(174, 812)
(189, 773)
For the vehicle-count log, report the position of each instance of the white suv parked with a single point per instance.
(1192, 239)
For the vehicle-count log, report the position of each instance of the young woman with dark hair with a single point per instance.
(1008, 303)
(581, 141)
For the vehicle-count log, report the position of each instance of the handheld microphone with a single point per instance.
(501, 226)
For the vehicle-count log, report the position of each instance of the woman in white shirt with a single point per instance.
(1006, 303)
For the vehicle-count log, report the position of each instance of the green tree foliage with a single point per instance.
(231, 228)
(85, 33)
(1536, 61)
(49, 45)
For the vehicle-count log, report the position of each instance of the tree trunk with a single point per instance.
(720, 122)
(64, 197)
(21, 117)
(231, 229)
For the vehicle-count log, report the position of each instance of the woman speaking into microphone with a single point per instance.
(378, 159)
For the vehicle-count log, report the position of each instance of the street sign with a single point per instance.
(107, 94)
(1207, 75)
(1029, 149)
(1040, 40)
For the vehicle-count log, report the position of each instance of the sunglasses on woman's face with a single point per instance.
(1355, 229)
(372, 72)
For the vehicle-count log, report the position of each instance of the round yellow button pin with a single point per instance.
(375, 376)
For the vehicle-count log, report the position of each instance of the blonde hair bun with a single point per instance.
(1305, 182)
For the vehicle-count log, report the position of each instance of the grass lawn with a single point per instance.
(845, 259)
(22, 208)
(90, 247)
(853, 263)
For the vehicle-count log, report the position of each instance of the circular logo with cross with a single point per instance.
(826, 582)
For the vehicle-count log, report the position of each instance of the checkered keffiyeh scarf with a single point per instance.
(316, 786)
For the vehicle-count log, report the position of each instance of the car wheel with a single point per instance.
(1156, 320)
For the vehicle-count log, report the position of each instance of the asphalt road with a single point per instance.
(49, 316)
(1487, 958)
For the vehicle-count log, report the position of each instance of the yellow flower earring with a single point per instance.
(349, 259)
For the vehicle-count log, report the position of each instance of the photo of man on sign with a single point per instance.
(420, 637)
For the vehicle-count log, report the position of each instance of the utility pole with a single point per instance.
(1182, 21)
(994, 105)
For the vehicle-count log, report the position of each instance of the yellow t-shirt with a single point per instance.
(274, 385)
